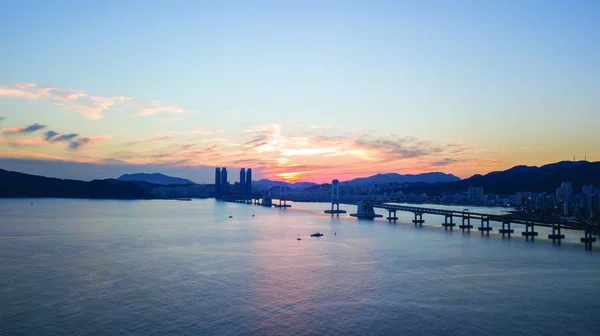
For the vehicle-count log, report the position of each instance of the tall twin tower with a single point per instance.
(222, 186)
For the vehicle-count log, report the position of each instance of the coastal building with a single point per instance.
(249, 181)
(475, 194)
(564, 193)
(242, 187)
(224, 190)
(218, 181)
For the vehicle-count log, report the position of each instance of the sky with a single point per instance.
(296, 90)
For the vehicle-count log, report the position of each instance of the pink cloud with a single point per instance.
(81, 142)
(153, 107)
(207, 132)
(23, 142)
(91, 107)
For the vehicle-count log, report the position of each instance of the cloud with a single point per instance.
(49, 135)
(398, 147)
(52, 136)
(77, 144)
(153, 107)
(207, 132)
(24, 130)
(91, 107)
(322, 127)
(444, 162)
(23, 142)
(65, 137)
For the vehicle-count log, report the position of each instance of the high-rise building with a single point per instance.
(218, 181)
(565, 192)
(475, 193)
(249, 181)
(243, 190)
(223, 175)
(224, 182)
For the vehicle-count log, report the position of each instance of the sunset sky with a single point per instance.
(296, 90)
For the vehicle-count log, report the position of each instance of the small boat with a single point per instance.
(298, 237)
(318, 234)
(230, 216)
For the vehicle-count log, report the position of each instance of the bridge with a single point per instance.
(365, 210)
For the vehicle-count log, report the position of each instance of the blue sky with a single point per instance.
(517, 82)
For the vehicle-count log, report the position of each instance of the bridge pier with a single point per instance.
(556, 233)
(447, 224)
(506, 228)
(365, 210)
(466, 218)
(588, 239)
(336, 210)
(486, 228)
(418, 219)
(392, 215)
(529, 231)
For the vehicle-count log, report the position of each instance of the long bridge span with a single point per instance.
(466, 218)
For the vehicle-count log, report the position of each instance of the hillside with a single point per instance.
(399, 178)
(521, 178)
(155, 178)
(24, 185)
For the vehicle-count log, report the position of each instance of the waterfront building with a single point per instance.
(565, 192)
(242, 187)
(249, 181)
(218, 181)
(224, 182)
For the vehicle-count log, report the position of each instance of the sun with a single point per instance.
(290, 177)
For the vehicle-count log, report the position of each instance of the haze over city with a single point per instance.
(296, 90)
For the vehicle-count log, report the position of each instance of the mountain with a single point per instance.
(522, 178)
(267, 184)
(24, 185)
(155, 178)
(399, 178)
(375, 179)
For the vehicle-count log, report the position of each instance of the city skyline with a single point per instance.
(300, 92)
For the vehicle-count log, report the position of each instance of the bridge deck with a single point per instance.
(512, 218)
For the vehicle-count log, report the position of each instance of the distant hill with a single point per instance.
(375, 179)
(155, 178)
(24, 185)
(399, 178)
(522, 178)
(267, 184)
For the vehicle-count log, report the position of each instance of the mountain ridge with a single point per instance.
(15, 184)
(156, 178)
(545, 178)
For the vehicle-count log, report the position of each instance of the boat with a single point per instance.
(298, 237)
(230, 216)
(318, 234)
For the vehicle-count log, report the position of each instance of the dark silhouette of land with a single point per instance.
(517, 179)
(520, 178)
(15, 184)
(155, 178)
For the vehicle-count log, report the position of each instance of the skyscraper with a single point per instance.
(218, 181)
(224, 182)
(249, 181)
(223, 175)
(243, 189)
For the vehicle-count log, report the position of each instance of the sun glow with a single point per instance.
(290, 177)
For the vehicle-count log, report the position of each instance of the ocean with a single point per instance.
(103, 267)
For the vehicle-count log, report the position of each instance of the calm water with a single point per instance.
(184, 268)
